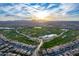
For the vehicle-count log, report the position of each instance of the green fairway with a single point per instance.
(69, 36)
(12, 35)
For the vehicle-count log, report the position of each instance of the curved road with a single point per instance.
(35, 53)
(23, 34)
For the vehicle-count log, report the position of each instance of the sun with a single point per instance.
(42, 16)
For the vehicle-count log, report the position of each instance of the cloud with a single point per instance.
(25, 10)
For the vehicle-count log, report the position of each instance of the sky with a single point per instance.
(25, 11)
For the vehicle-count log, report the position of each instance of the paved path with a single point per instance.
(62, 33)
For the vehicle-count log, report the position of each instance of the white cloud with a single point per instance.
(66, 7)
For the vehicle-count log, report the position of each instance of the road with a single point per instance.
(23, 34)
(31, 38)
(35, 53)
